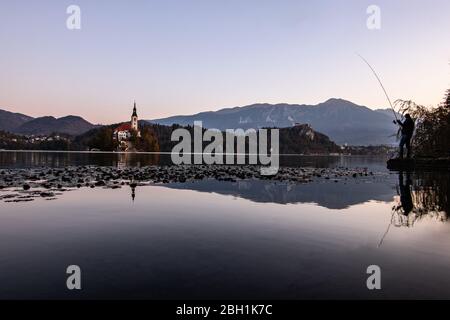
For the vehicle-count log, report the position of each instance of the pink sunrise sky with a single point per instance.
(183, 57)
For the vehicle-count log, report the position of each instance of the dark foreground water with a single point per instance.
(215, 239)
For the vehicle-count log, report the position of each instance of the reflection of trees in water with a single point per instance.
(432, 191)
(64, 159)
(31, 159)
(124, 160)
(421, 195)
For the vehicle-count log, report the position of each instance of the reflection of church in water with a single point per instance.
(133, 191)
(125, 160)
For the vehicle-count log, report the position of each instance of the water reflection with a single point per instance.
(419, 195)
(415, 195)
(425, 196)
(326, 193)
(30, 159)
(405, 193)
(250, 239)
(133, 192)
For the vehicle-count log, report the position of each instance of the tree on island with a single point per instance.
(102, 140)
(147, 142)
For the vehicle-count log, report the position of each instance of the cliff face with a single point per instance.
(303, 139)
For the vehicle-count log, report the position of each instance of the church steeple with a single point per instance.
(134, 118)
(134, 110)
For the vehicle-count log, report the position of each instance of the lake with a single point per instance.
(243, 239)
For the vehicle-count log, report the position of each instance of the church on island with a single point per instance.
(124, 131)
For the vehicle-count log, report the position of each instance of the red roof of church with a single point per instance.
(124, 127)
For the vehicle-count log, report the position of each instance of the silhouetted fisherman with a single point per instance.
(405, 193)
(407, 133)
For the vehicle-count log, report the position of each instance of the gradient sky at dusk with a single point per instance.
(183, 57)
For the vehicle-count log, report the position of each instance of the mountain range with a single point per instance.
(341, 120)
(22, 124)
(9, 121)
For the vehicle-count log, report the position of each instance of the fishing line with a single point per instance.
(381, 84)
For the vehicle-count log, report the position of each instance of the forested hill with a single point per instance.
(301, 139)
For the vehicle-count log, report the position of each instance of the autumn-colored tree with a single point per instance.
(147, 142)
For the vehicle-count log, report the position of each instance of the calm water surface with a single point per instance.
(246, 239)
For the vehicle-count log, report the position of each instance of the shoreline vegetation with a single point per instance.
(432, 133)
(431, 140)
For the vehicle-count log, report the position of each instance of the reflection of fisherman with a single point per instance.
(405, 193)
(405, 218)
(407, 133)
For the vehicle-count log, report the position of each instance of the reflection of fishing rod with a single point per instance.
(389, 225)
(381, 84)
(387, 231)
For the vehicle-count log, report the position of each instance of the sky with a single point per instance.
(187, 56)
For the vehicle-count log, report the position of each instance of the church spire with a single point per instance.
(134, 110)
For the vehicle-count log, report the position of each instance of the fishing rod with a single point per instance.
(396, 120)
(381, 84)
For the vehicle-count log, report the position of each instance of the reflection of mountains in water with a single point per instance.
(425, 193)
(324, 193)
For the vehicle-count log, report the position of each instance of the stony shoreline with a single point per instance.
(21, 185)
